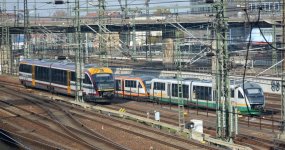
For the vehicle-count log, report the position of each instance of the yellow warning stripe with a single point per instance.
(33, 75)
(68, 82)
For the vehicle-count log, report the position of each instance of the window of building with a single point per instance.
(276, 6)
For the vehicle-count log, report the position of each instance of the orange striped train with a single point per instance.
(130, 86)
(60, 77)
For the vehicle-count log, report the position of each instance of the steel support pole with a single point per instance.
(102, 41)
(224, 91)
(78, 56)
(26, 28)
(282, 134)
(180, 82)
(274, 51)
(134, 36)
(86, 48)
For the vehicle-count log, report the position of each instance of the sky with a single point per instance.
(46, 8)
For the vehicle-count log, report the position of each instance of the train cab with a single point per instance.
(251, 98)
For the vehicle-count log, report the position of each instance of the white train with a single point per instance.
(250, 100)
(59, 77)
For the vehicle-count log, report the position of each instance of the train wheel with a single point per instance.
(51, 89)
(24, 84)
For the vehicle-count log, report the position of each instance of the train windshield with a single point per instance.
(103, 78)
(253, 92)
(255, 96)
(103, 81)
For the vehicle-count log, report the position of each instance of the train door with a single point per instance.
(168, 90)
(141, 90)
(33, 75)
(68, 83)
(118, 86)
(240, 98)
(135, 89)
(123, 87)
(87, 85)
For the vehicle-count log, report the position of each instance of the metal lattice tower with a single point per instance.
(180, 84)
(5, 46)
(6, 51)
(282, 134)
(26, 30)
(225, 118)
(102, 42)
(78, 56)
(148, 32)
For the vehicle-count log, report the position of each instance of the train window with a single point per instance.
(59, 76)
(253, 91)
(25, 68)
(130, 83)
(240, 95)
(159, 86)
(232, 93)
(42, 73)
(185, 91)
(174, 90)
(204, 93)
(73, 76)
(140, 86)
(87, 79)
(118, 85)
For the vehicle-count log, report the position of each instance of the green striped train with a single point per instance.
(249, 100)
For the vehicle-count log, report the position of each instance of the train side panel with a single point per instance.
(61, 79)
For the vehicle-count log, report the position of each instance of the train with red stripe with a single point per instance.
(58, 76)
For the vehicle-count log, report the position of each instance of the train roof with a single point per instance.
(143, 77)
(247, 85)
(62, 64)
(170, 80)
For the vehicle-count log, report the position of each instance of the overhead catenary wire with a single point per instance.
(246, 58)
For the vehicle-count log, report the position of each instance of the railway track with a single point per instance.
(54, 109)
(256, 142)
(270, 119)
(15, 140)
(75, 132)
(125, 125)
(253, 141)
(258, 121)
